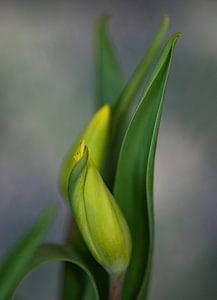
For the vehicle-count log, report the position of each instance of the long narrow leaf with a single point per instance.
(48, 253)
(136, 81)
(109, 81)
(12, 268)
(134, 178)
(127, 97)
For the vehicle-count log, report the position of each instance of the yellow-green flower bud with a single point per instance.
(96, 137)
(97, 214)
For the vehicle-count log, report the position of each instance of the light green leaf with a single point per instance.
(109, 81)
(48, 253)
(98, 216)
(134, 178)
(12, 268)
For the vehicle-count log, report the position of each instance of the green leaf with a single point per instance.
(126, 99)
(134, 178)
(136, 81)
(72, 282)
(73, 277)
(12, 268)
(109, 81)
(48, 253)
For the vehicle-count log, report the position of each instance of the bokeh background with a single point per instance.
(47, 96)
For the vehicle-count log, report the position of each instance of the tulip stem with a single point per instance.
(116, 284)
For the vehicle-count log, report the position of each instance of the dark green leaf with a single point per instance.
(12, 268)
(136, 81)
(134, 178)
(108, 70)
(74, 277)
(126, 99)
(72, 282)
(48, 253)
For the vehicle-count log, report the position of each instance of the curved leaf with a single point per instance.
(48, 253)
(12, 268)
(134, 84)
(110, 80)
(125, 100)
(134, 178)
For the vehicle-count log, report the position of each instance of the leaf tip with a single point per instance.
(176, 36)
(103, 114)
(50, 212)
(103, 20)
(166, 20)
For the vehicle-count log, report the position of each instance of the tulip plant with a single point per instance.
(106, 180)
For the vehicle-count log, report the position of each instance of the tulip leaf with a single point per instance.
(109, 81)
(134, 178)
(127, 97)
(47, 253)
(134, 84)
(12, 268)
(72, 276)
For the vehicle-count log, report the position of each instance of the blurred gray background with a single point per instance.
(47, 96)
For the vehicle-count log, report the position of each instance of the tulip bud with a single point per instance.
(97, 214)
(96, 137)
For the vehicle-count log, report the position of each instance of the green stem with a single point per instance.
(116, 284)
